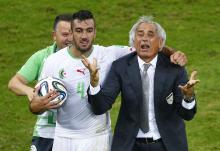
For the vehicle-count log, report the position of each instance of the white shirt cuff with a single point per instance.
(94, 90)
(188, 106)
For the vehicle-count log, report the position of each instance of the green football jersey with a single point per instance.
(32, 68)
(31, 71)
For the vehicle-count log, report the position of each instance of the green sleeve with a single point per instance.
(30, 70)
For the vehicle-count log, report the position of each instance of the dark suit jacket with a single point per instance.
(124, 76)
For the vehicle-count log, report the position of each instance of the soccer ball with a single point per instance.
(48, 84)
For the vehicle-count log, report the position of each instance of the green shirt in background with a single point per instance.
(32, 68)
(31, 71)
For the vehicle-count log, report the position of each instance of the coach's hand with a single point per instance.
(39, 104)
(93, 70)
(187, 89)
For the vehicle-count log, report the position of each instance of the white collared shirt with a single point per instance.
(153, 130)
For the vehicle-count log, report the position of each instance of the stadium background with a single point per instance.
(191, 25)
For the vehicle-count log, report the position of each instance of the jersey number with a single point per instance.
(81, 89)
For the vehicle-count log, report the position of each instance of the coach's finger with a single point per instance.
(193, 75)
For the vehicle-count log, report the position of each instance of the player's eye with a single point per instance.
(89, 30)
(78, 30)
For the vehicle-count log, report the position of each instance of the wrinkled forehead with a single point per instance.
(87, 23)
(146, 27)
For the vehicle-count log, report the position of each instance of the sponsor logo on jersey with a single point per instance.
(82, 71)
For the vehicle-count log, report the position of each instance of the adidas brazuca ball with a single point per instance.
(50, 83)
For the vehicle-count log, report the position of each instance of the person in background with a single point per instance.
(44, 129)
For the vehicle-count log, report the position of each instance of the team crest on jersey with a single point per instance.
(62, 73)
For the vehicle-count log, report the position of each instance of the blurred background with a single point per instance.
(192, 26)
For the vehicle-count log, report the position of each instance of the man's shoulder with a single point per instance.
(38, 57)
(127, 57)
(45, 51)
(164, 62)
(97, 47)
(119, 47)
(58, 55)
(124, 61)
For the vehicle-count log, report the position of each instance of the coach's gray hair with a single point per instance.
(146, 19)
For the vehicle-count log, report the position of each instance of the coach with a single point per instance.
(154, 104)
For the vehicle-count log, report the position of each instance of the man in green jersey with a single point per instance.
(44, 129)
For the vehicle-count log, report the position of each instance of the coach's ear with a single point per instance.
(160, 44)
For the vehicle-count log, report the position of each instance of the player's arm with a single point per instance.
(176, 57)
(18, 85)
(39, 104)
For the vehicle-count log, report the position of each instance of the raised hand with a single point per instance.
(187, 89)
(93, 70)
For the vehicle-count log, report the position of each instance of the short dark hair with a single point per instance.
(82, 15)
(62, 17)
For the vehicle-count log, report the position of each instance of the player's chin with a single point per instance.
(85, 48)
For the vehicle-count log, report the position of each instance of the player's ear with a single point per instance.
(54, 35)
(95, 34)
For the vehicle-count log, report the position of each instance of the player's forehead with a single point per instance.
(87, 23)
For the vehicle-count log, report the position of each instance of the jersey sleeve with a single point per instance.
(119, 51)
(30, 70)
